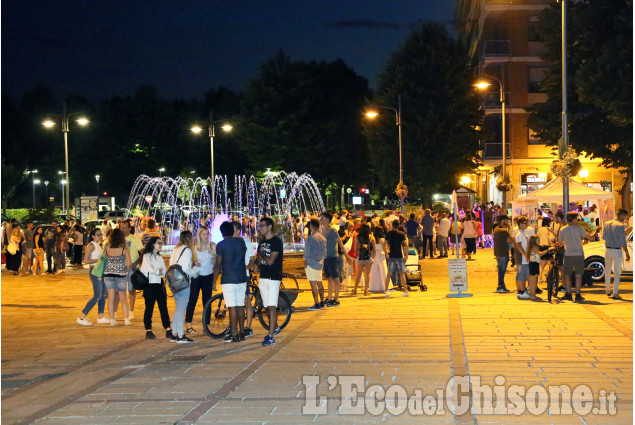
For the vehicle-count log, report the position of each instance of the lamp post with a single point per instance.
(161, 171)
(65, 129)
(97, 178)
(46, 189)
(483, 85)
(63, 205)
(196, 129)
(372, 114)
(33, 173)
(563, 145)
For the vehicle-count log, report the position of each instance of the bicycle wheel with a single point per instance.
(283, 308)
(552, 283)
(289, 282)
(215, 317)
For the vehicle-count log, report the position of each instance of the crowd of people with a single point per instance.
(375, 250)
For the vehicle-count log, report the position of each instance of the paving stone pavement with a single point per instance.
(57, 372)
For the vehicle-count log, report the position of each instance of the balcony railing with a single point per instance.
(495, 150)
(493, 100)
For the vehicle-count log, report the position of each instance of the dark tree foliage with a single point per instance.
(599, 78)
(440, 113)
(305, 117)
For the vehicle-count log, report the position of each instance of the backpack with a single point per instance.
(364, 250)
(177, 279)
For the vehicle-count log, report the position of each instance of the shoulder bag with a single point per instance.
(98, 270)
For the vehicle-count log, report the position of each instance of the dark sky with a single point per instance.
(98, 48)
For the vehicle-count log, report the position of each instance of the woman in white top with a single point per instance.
(469, 236)
(93, 253)
(154, 268)
(205, 251)
(184, 254)
(378, 270)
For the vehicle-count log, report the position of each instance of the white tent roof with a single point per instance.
(552, 192)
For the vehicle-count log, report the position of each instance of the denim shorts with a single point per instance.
(117, 283)
(395, 265)
(331, 268)
(522, 274)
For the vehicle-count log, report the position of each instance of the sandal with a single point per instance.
(191, 331)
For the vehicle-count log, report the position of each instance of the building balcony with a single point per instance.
(496, 51)
(495, 151)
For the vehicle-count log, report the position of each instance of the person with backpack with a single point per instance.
(365, 247)
(183, 255)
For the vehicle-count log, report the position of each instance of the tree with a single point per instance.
(433, 74)
(599, 78)
(305, 117)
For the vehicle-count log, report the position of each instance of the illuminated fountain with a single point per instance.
(184, 203)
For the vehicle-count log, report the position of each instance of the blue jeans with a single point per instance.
(99, 295)
(502, 263)
(180, 300)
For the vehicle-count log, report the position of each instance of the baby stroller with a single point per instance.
(413, 271)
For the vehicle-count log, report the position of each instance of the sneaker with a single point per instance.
(538, 291)
(168, 334)
(335, 303)
(608, 294)
(277, 331)
(567, 297)
(103, 320)
(248, 332)
(269, 340)
(241, 336)
(328, 303)
(616, 297)
(130, 315)
(502, 290)
(322, 305)
(523, 296)
(405, 294)
(315, 307)
(184, 340)
(562, 289)
(578, 298)
(386, 294)
(83, 322)
(127, 321)
(113, 322)
(229, 338)
(150, 335)
(174, 338)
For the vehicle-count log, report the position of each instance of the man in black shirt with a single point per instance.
(397, 248)
(269, 260)
(502, 240)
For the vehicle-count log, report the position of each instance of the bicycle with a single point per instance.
(552, 276)
(216, 314)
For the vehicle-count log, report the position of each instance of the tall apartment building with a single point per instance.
(505, 41)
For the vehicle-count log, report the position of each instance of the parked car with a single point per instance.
(112, 215)
(594, 258)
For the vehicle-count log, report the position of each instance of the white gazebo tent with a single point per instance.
(552, 193)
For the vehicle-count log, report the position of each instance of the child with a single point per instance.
(534, 254)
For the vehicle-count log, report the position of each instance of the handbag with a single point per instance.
(139, 280)
(98, 270)
(177, 279)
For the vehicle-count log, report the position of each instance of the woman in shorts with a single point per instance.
(118, 264)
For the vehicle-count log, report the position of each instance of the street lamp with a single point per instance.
(373, 114)
(65, 129)
(161, 171)
(482, 85)
(63, 205)
(33, 172)
(46, 188)
(210, 124)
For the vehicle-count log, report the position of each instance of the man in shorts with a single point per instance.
(269, 260)
(314, 253)
(331, 271)
(135, 246)
(571, 236)
(521, 248)
(397, 248)
(249, 258)
(230, 260)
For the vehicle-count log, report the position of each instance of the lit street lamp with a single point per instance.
(33, 172)
(65, 129)
(63, 205)
(46, 188)
(373, 114)
(161, 171)
(196, 129)
(482, 85)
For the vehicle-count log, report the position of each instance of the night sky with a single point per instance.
(99, 48)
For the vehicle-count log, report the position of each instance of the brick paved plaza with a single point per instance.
(57, 372)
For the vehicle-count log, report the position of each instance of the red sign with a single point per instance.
(149, 199)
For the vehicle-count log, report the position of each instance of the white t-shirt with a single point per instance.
(206, 260)
(444, 227)
(524, 242)
(544, 236)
